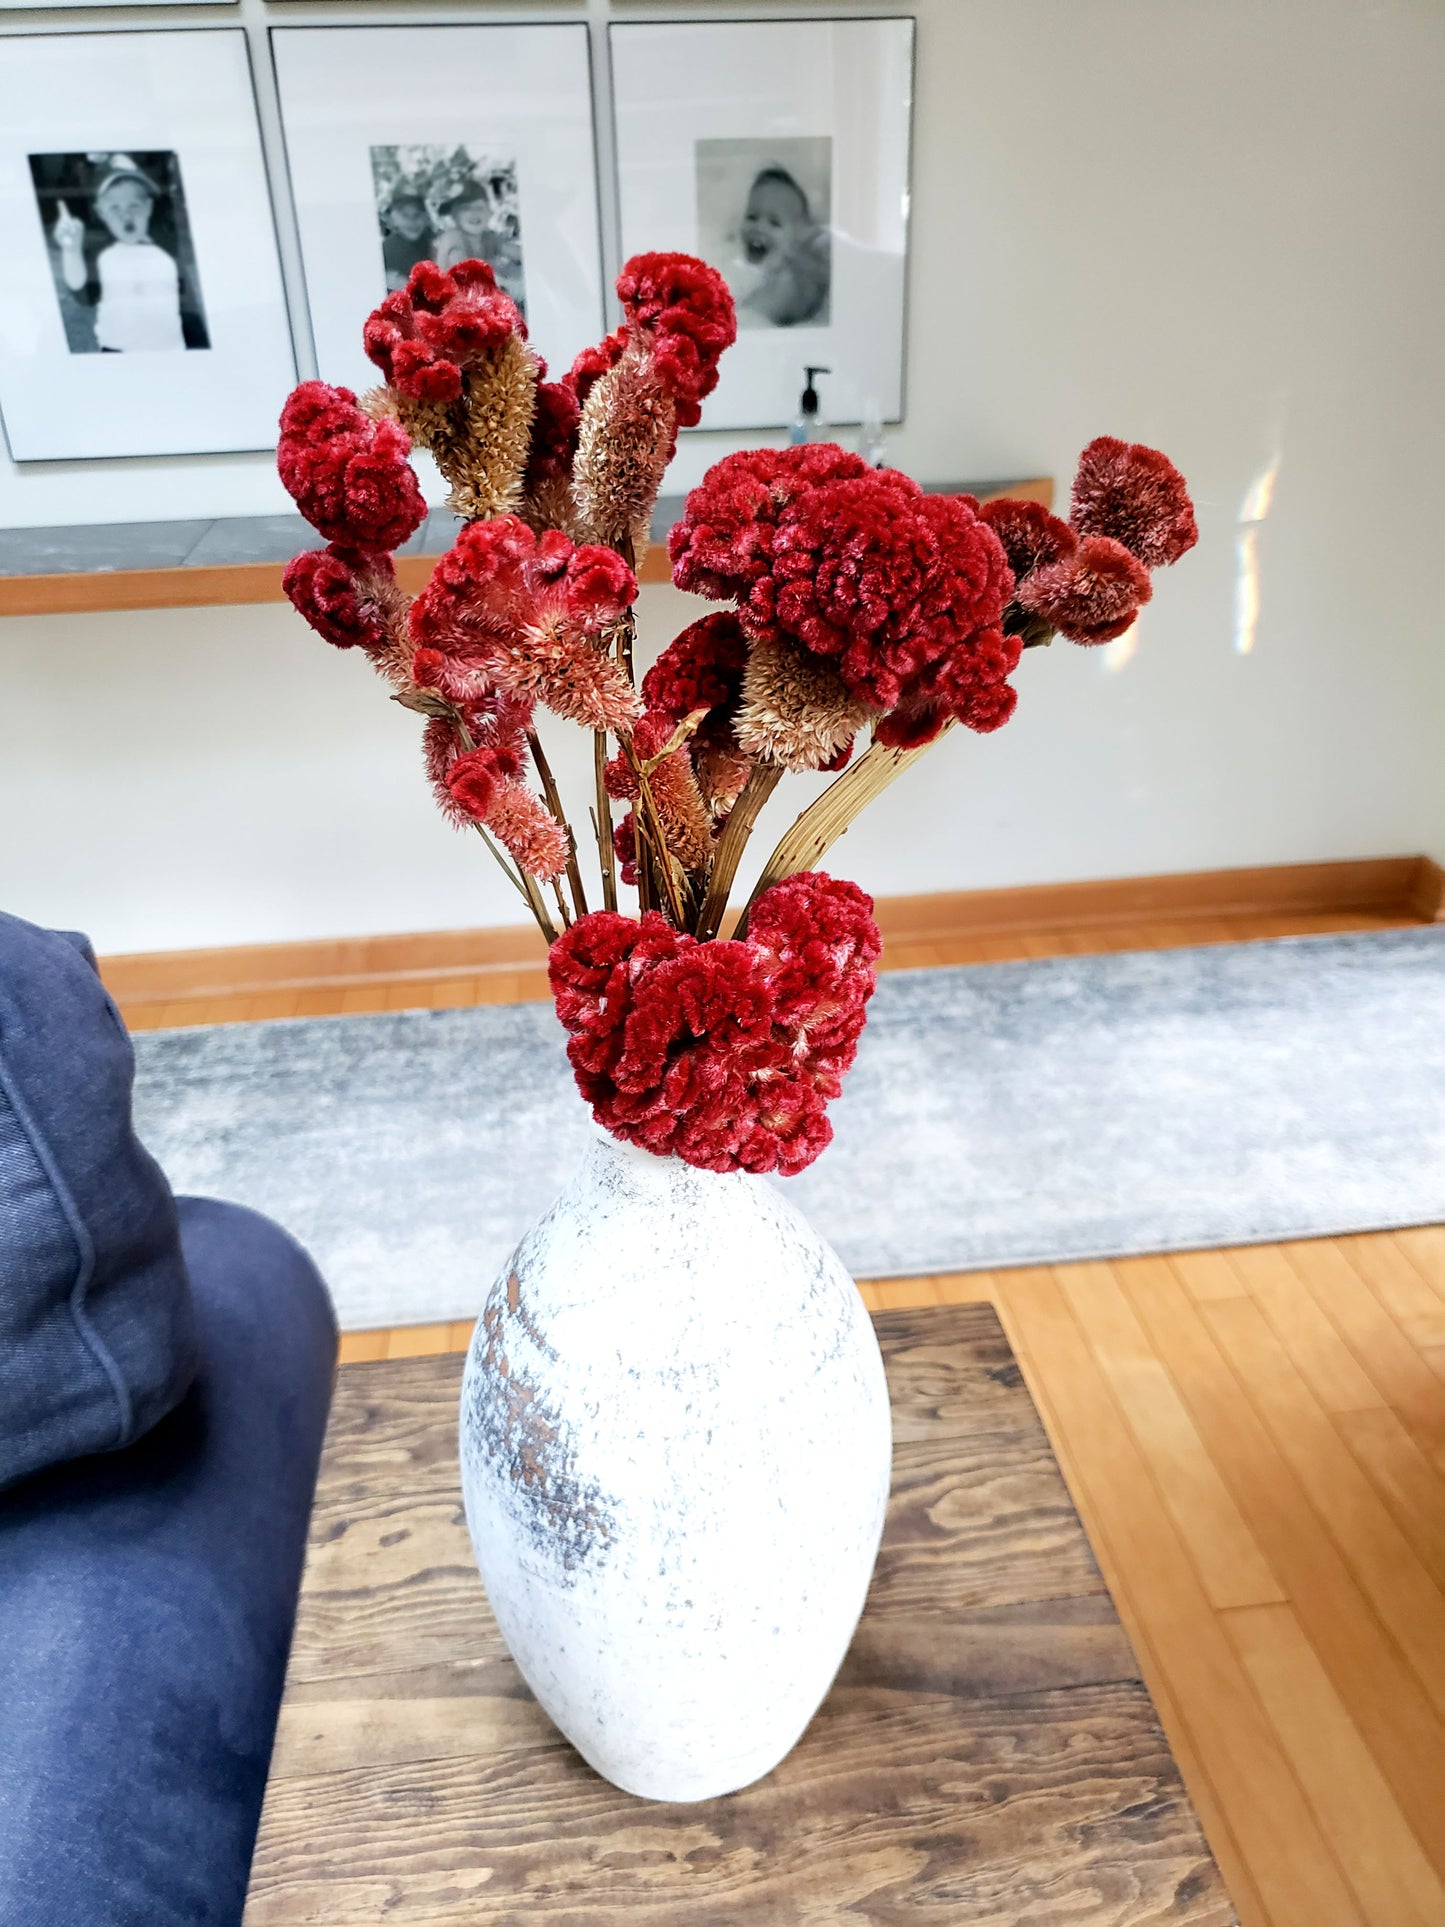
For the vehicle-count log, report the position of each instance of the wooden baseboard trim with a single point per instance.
(1407, 887)
(1428, 898)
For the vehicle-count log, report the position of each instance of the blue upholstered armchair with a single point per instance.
(165, 1371)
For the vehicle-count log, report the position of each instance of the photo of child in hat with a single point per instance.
(120, 251)
(448, 204)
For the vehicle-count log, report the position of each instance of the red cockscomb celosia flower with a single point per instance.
(725, 1053)
(321, 585)
(1136, 496)
(1093, 595)
(1032, 538)
(723, 541)
(424, 335)
(348, 475)
(902, 592)
(702, 668)
(528, 613)
(684, 311)
(554, 435)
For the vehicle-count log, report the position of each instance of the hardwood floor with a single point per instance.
(1255, 1440)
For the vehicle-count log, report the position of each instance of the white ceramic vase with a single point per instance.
(675, 1449)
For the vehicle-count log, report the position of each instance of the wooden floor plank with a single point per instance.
(1372, 1677)
(1208, 1274)
(1234, 1865)
(1403, 1375)
(1230, 1564)
(1294, 1868)
(1414, 1304)
(1424, 1245)
(1383, 1861)
(1405, 1479)
(1321, 1356)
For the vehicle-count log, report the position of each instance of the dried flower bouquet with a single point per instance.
(855, 602)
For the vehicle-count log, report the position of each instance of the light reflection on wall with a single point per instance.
(1252, 512)
(1119, 653)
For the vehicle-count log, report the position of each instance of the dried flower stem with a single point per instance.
(829, 815)
(653, 844)
(539, 908)
(736, 830)
(507, 871)
(554, 804)
(602, 821)
(526, 881)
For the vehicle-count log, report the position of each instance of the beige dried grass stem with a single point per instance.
(554, 804)
(825, 819)
(760, 785)
(602, 821)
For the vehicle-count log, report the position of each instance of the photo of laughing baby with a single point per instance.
(763, 214)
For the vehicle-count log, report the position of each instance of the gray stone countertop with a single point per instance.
(112, 547)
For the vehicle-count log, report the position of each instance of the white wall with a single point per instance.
(1205, 226)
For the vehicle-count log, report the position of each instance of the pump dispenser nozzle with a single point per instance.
(806, 420)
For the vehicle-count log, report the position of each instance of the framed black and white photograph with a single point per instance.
(143, 310)
(438, 143)
(744, 142)
(121, 253)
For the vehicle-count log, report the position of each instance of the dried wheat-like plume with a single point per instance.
(479, 441)
(796, 712)
(629, 427)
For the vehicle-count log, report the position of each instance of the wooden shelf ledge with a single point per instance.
(200, 564)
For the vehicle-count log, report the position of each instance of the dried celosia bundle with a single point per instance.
(642, 384)
(348, 475)
(685, 820)
(530, 614)
(796, 711)
(1137, 496)
(856, 605)
(460, 378)
(725, 1053)
(702, 670)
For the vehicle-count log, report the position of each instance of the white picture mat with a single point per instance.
(525, 91)
(188, 91)
(677, 84)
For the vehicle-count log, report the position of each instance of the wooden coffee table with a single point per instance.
(988, 1753)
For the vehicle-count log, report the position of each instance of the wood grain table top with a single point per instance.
(988, 1753)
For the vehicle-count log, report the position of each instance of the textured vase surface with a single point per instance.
(675, 1451)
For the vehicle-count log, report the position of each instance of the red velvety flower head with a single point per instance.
(1091, 596)
(902, 592)
(723, 541)
(1031, 537)
(423, 336)
(554, 434)
(1136, 496)
(702, 668)
(322, 586)
(527, 613)
(724, 1053)
(684, 312)
(348, 475)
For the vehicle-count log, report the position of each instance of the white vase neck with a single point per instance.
(634, 1164)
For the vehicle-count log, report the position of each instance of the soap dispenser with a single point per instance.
(805, 422)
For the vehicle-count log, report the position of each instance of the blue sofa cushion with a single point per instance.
(97, 1331)
(147, 1599)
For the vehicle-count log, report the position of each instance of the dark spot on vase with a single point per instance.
(529, 1442)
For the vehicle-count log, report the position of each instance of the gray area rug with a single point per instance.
(1000, 1114)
